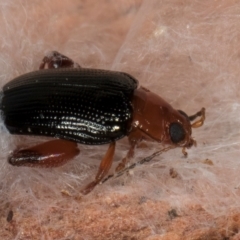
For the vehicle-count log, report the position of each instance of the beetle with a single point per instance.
(88, 106)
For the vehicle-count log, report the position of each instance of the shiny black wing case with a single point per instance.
(88, 106)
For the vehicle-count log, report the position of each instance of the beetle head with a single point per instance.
(179, 128)
(155, 120)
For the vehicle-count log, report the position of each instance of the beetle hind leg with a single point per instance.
(49, 154)
(55, 60)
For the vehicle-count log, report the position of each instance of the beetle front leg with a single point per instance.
(103, 169)
(55, 59)
(50, 154)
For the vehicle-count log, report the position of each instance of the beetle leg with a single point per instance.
(185, 154)
(200, 122)
(103, 169)
(134, 138)
(55, 59)
(50, 154)
(126, 159)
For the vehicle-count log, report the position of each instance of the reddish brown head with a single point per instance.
(154, 119)
(177, 128)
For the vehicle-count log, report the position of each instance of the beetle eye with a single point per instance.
(176, 132)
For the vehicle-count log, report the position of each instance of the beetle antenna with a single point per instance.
(142, 161)
(199, 122)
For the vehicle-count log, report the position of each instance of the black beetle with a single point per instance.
(88, 106)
